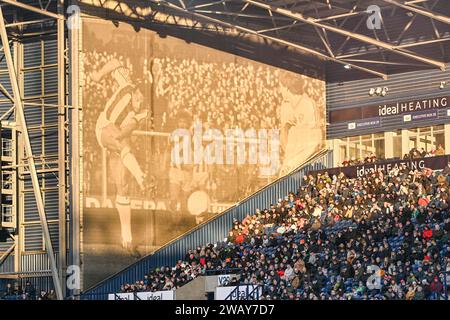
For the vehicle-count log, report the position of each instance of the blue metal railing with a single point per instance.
(445, 276)
(252, 292)
(211, 231)
(223, 271)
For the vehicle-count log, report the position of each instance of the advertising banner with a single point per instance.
(435, 163)
(157, 295)
(224, 279)
(121, 296)
(406, 107)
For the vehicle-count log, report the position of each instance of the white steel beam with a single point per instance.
(34, 9)
(62, 150)
(6, 93)
(7, 113)
(24, 23)
(76, 154)
(406, 45)
(7, 252)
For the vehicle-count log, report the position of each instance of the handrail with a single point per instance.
(248, 295)
(222, 271)
(316, 155)
(253, 292)
(446, 274)
(228, 297)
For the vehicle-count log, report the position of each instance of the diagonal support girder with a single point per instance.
(7, 253)
(32, 8)
(422, 11)
(300, 17)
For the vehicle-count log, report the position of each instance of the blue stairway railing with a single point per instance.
(211, 231)
(252, 292)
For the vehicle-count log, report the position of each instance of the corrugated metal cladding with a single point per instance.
(211, 232)
(40, 84)
(30, 262)
(409, 86)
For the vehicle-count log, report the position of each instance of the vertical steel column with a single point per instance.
(20, 185)
(29, 154)
(62, 149)
(75, 154)
(447, 138)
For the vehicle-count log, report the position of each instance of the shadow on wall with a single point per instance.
(102, 240)
(244, 45)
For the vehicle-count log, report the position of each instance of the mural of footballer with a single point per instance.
(121, 115)
(300, 118)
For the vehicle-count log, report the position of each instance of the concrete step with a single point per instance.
(194, 290)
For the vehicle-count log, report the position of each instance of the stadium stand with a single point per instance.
(212, 231)
(381, 236)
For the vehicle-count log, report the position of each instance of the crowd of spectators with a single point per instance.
(371, 158)
(414, 153)
(28, 292)
(326, 241)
